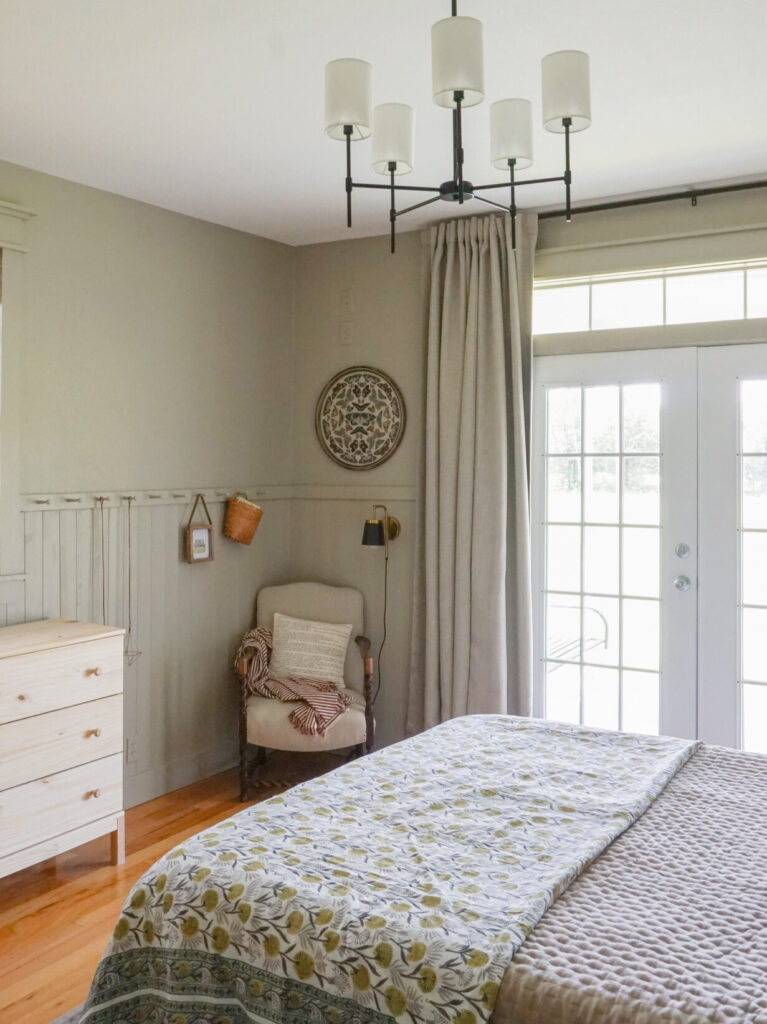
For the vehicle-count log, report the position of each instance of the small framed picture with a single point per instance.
(199, 543)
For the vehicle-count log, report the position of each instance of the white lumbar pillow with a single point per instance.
(313, 650)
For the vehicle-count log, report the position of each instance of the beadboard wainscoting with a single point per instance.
(180, 696)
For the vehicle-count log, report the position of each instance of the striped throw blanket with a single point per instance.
(318, 704)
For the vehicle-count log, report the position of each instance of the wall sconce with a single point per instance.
(378, 532)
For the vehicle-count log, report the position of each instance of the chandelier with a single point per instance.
(457, 82)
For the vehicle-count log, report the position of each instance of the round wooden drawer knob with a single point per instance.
(93, 793)
(93, 732)
(93, 671)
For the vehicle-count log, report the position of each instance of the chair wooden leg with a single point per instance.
(244, 766)
(244, 776)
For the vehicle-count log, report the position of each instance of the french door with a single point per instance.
(650, 541)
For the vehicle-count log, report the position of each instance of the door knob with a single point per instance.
(682, 550)
(682, 583)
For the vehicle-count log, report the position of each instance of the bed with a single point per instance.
(494, 868)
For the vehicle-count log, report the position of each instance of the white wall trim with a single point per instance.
(72, 500)
(384, 493)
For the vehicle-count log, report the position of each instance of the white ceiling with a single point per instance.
(214, 107)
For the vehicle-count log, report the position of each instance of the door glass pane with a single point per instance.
(641, 490)
(600, 559)
(641, 634)
(564, 490)
(602, 419)
(754, 631)
(753, 566)
(563, 627)
(603, 555)
(600, 697)
(564, 420)
(753, 408)
(563, 558)
(601, 630)
(754, 492)
(640, 563)
(641, 702)
(563, 693)
(755, 718)
(600, 495)
(641, 418)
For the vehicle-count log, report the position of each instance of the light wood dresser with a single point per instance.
(61, 740)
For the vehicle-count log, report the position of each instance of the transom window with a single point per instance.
(686, 295)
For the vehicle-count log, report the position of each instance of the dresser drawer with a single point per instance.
(59, 740)
(59, 803)
(33, 684)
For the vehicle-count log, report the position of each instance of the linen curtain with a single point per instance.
(472, 620)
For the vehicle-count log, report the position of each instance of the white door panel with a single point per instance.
(614, 498)
(733, 537)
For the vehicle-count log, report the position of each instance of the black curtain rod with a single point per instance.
(693, 194)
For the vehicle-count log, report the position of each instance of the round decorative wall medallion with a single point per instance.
(360, 417)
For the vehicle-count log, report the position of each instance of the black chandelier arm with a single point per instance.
(567, 122)
(417, 206)
(398, 188)
(458, 145)
(348, 133)
(491, 202)
(518, 183)
(392, 207)
(513, 203)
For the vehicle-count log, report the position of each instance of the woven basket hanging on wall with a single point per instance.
(242, 519)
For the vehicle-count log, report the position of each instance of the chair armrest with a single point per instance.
(242, 665)
(367, 658)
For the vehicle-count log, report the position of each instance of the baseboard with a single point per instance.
(182, 771)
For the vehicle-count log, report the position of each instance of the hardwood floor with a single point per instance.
(56, 917)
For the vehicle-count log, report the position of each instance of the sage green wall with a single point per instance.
(157, 347)
(144, 351)
(355, 303)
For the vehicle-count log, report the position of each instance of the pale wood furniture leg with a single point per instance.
(117, 839)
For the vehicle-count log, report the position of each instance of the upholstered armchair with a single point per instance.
(264, 722)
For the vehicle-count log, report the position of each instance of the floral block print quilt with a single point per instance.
(395, 888)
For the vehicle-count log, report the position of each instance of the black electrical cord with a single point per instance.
(383, 639)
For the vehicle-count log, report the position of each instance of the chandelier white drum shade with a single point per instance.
(511, 133)
(457, 82)
(393, 138)
(566, 92)
(348, 98)
(456, 62)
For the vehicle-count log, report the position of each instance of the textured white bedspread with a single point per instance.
(669, 924)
